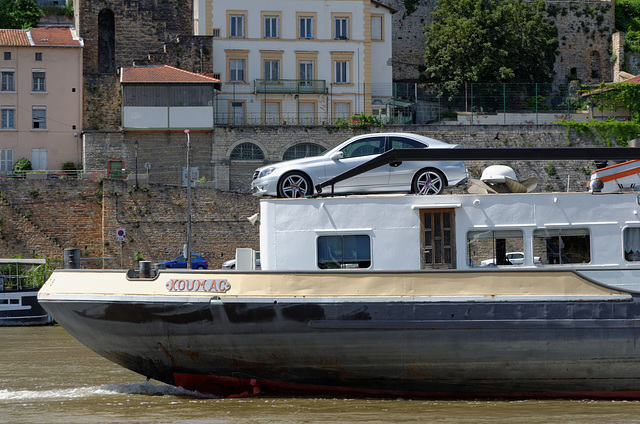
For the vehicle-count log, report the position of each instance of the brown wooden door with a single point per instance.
(438, 240)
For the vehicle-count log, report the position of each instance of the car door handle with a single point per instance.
(395, 164)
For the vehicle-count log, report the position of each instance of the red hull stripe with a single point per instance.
(238, 387)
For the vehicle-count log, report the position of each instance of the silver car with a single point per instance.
(297, 178)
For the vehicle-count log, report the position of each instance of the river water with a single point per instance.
(46, 376)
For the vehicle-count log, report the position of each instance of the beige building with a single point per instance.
(40, 97)
(298, 61)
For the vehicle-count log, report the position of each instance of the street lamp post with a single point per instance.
(188, 245)
(136, 146)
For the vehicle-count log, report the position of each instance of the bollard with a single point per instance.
(145, 269)
(72, 258)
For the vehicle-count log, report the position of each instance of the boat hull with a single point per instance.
(21, 308)
(432, 349)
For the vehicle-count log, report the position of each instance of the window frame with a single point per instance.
(8, 80)
(341, 75)
(341, 26)
(237, 55)
(323, 252)
(5, 111)
(309, 17)
(240, 149)
(563, 251)
(240, 24)
(39, 85)
(483, 245)
(37, 119)
(269, 68)
(381, 18)
(631, 244)
(38, 57)
(234, 105)
(342, 67)
(267, 30)
(6, 163)
(234, 70)
(349, 106)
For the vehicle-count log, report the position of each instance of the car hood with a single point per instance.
(293, 162)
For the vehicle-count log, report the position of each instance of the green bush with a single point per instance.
(530, 103)
(21, 166)
(69, 169)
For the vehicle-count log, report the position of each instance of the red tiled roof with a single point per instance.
(162, 74)
(53, 37)
(41, 36)
(378, 4)
(14, 37)
(635, 79)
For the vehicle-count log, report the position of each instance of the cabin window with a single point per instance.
(631, 240)
(490, 248)
(344, 251)
(562, 246)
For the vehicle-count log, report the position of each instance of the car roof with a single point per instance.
(432, 142)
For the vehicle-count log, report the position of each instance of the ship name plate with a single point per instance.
(198, 285)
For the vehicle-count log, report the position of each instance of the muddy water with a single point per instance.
(48, 377)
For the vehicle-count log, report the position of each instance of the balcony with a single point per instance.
(289, 86)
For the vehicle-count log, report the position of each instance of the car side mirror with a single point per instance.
(337, 156)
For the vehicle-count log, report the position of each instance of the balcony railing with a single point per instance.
(290, 86)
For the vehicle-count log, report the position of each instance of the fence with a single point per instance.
(410, 103)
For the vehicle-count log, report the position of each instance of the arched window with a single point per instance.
(302, 150)
(106, 42)
(246, 151)
(595, 64)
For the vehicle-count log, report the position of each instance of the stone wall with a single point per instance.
(584, 36)
(102, 102)
(192, 53)
(140, 27)
(408, 39)
(41, 218)
(211, 150)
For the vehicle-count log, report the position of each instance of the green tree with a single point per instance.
(489, 41)
(628, 21)
(19, 14)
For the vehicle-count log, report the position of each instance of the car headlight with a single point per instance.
(266, 171)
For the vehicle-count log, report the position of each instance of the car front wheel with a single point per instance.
(428, 181)
(294, 185)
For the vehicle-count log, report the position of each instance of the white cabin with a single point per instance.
(409, 232)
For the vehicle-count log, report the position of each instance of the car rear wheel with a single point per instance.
(294, 185)
(200, 267)
(428, 181)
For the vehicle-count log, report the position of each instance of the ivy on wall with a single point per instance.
(609, 98)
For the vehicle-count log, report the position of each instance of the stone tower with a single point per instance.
(116, 33)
